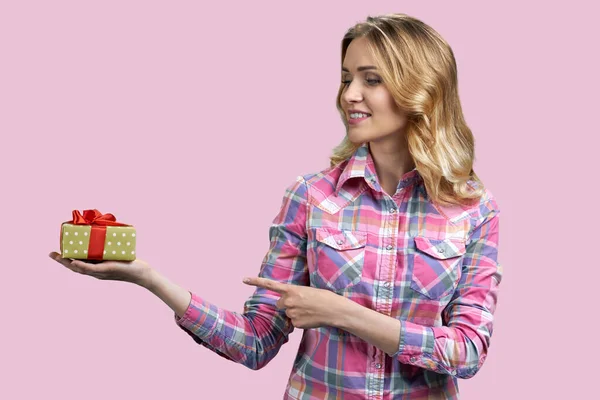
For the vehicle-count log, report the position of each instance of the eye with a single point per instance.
(371, 82)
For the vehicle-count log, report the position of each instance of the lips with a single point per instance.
(356, 112)
(354, 121)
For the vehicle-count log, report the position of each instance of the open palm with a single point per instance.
(136, 271)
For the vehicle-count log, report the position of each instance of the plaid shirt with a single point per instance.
(433, 268)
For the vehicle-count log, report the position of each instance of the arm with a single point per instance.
(460, 346)
(176, 297)
(254, 337)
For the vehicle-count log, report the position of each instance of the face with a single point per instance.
(364, 91)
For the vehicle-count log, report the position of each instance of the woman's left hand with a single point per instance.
(306, 306)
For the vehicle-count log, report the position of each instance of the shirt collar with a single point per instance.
(361, 164)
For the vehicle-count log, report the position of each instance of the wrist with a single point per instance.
(149, 278)
(342, 312)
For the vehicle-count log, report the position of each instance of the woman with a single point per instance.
(387, 259)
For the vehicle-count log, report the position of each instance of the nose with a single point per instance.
(352, 93)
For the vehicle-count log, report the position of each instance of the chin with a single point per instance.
(357, 138)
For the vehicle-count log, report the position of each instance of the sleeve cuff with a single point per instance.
(417, 344)
(199, 318)
(187, 312)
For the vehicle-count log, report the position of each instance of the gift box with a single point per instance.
(97, 236)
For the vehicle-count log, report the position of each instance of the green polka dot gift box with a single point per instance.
(97, 236)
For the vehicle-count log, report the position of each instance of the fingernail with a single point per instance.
(246, 280)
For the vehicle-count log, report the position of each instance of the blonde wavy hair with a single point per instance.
(419, 70)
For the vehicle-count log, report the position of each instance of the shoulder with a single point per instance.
(322, 182)
(483, 210)
(486, 205)
(318, 188)
(476, 211)
(325, 177)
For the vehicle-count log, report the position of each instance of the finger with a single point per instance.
(290, 314)
(279, 304)
(74, 265)
(267, 284)
(98, 271)
(55, 256)
(82, 265)
(64, 261)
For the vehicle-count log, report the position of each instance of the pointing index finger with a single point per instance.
(267, 284)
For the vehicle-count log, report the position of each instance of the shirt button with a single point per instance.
(386, 284)
(413, 359)
(441, 250)
(392, 210)
(340, 242)
(453, 373)
(389, 247)
(378, 366)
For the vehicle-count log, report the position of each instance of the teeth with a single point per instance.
(358, 115)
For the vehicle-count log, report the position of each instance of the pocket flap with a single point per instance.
(440, 248)
(340, 239)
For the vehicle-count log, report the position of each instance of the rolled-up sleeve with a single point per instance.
(254, 337)
(459, 347)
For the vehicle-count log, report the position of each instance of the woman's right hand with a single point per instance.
(137, 271)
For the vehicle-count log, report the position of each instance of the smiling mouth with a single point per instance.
(355, 121)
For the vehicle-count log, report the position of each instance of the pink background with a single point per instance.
(188, 121)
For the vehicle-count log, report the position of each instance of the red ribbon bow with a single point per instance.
(94, 217)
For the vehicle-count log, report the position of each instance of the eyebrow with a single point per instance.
(363, 68)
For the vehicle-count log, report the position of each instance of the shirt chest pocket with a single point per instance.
(435, 266)
(339, 258)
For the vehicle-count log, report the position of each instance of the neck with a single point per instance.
(392, 161)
